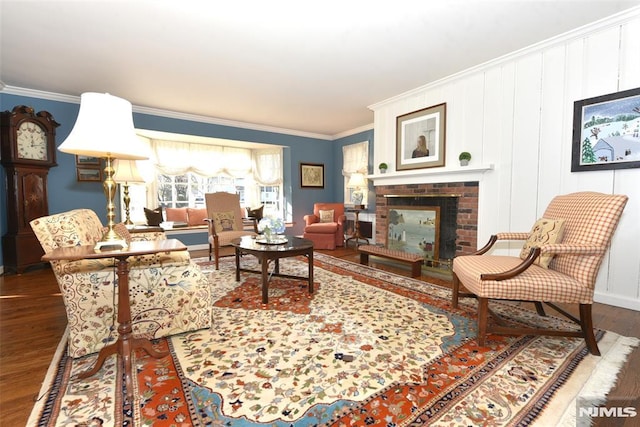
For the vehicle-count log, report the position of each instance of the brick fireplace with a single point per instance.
(458, 203)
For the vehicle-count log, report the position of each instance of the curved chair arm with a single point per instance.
(512, 236)
(342, 219)
(500, 236)
(558, 249)
(311, 219)
(533, 254)
(572, 249)
(212, 228)
(492, 240)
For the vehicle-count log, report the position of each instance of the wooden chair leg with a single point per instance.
(540, 309)
(456, 291)
(216, 254)
(364, 258)
(483, 320)
(586, 323)
(210, 251)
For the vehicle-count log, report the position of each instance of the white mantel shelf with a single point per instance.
(446, 174)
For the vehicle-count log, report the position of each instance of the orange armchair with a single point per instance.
(325, 227)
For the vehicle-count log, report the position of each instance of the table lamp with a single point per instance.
(104, 128)
(126, 172)
(357, 181)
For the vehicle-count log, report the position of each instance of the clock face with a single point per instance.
(32, 142)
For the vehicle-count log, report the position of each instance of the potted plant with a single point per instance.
(383, 167)
(464, 158)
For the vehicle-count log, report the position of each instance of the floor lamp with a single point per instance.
(104, 128)
(126, 173)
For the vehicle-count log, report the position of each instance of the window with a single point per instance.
(271, 199)
(179, 174)
(188, 190)
(355, 160)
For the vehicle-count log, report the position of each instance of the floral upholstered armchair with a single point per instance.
(168, 292)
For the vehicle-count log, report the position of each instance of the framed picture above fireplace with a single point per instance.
(414, 229)
(420, 138)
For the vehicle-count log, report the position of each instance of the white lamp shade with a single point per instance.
(357, 180)
(126, 172)
(104, 128)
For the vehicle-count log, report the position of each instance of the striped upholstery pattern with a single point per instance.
(590, 220)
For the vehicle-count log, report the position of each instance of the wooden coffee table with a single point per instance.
(267, 252)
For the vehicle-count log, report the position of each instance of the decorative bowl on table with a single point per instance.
(271, 229)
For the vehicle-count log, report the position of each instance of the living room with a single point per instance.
(514, 144)
(514, 114)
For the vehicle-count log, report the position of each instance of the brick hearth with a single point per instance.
(467, 215)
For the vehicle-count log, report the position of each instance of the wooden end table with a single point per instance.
(126, 343)
(356, 227)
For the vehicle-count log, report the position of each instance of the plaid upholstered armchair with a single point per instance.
(168, 292)
(558, 264)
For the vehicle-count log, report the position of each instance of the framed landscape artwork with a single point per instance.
(414, 229)
(311, 175)
(89, 174)
(87, 160)
(420, 138)
(606, 132)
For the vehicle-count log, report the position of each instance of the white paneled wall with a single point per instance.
(516, 113)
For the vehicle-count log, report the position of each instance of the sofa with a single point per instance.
(168, 292)
(192, 217)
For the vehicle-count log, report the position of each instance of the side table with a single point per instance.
(126, 343)
(356, 226)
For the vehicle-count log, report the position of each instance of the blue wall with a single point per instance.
(66, 193)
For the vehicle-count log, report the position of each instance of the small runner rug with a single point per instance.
(367, 348)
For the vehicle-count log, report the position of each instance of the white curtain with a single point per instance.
(267, 170)
(268, 166)
(355, 158)
(236, 161)
(177, 158)
(258, 167)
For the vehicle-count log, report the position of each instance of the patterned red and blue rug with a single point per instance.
(367, 348)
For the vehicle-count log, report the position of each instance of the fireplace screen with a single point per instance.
(414, 229)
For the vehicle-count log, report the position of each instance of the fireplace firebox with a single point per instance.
(457, 216)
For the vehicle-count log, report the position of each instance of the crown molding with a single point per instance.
(352, 131)
(52, 96)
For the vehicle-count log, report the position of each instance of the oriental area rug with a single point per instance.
(368, 348)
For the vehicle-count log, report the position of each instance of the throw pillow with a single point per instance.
(255, 213)
(326, 216)
(176, 215)
(154, 217)
(224, 221)
(122, 231)
(544, 232)
(196, 216)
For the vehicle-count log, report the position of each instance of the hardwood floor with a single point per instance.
(32, 321)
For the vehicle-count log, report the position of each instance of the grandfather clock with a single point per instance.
(28, 152)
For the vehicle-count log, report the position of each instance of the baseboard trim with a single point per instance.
(621, 301)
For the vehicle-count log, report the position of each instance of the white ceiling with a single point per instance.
(312, 67)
